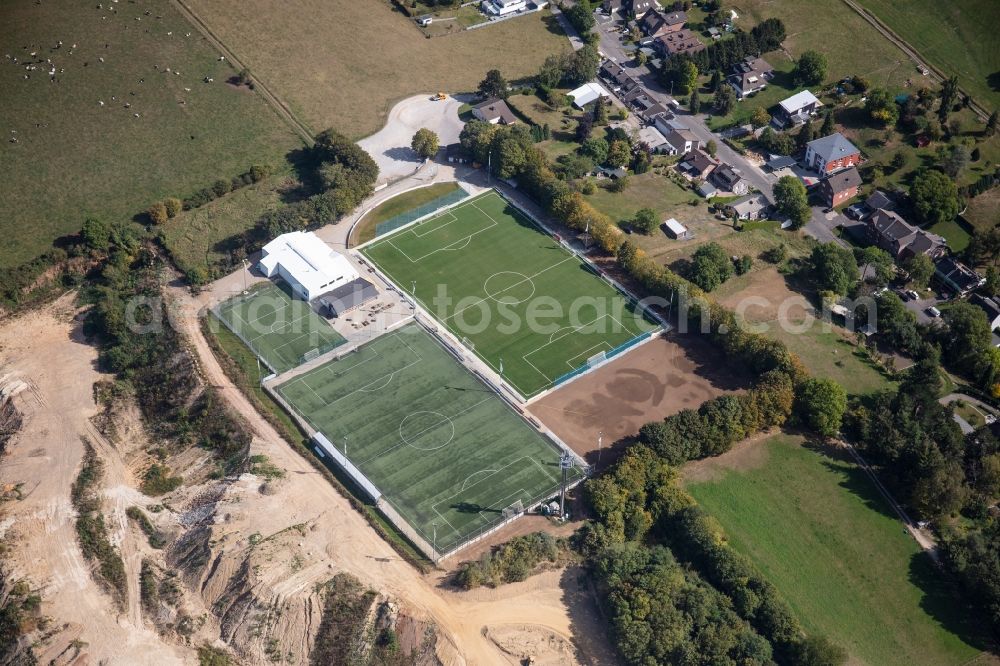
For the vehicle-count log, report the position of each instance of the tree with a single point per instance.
(821, 404)
(991, 124)
(711, 147)
(791, 200)
(967, 337)
(687, 79)
(768, 34)
(934, 196)
(581, 15)
(881, 107)
(600, 112)
(992, 285)
(949, 91)
(596, 149)
(956, 160)
(710, 266)
(96, 234)
(694, 103)
(157, 213)
(584, 127)
(645, 221)
(494, 85)
(898, 161)
(879, 261)
(619, 154)
(724, 100)
(827, 128)
(819, 651)
(760, 117)
(832, 268)
(425, 143)
(810, 69)
(551, 72)
(582, 65)
(716, 81)
(173, 205)
(920, 269)
(806, 134)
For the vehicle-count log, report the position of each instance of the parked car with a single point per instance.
(933, 311)
(855, 212)
(913, 295)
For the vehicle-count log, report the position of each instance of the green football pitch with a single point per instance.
(509, 291)
(279, 328)
(443, 449)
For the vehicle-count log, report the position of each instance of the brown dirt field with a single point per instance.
(658, 379)
(343, 63)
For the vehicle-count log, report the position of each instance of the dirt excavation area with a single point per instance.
(655, 380)
(50, 371)
(245, 557)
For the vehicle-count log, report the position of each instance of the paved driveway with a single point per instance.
(390, 146)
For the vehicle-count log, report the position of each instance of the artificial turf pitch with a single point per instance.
(486, 271)
(443, 449)
(278, 328)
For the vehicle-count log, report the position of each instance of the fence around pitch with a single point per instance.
(217, 311)
(327, 448)
(403, 219)
(628, 344)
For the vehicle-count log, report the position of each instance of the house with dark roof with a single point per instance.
(728, 178)
(675, 43)
(751, 207)
(831, 153)
(611, 6)
(901, 239)
(637, 8)
(750, 75)
(698, 164)
(494, 111)
(956, 276)
(654, 23)
(655, 111)
(614, 74)
(879, 200)
(841, 186)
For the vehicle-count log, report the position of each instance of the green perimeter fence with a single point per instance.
(403, 219)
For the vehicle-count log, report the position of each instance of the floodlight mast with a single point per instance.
(565, 464)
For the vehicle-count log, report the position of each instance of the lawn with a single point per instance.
(779, 88)
(762, 298)
(648, 190)
(820, 532)
(204, 239)
(282, 330)
(983, 212)
(527, 307)
(850, 44)
(344, 63)
(414, 422)
(953, 231)
(403, 203)
(959, 37)
(75, 157)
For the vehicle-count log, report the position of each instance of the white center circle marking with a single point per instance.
(507, 299)
(451, 426)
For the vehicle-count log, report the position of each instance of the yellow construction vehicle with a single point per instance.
(439, 97)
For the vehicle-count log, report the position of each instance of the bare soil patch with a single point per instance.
(658, 379)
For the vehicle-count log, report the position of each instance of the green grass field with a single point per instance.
(959, 37)
(75, 158)
(441, 446)
(279, 328)
(403, 203)
(818, 530)
(494, 278)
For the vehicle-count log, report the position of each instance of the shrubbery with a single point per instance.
(509, 562)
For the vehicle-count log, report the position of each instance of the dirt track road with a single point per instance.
(353, 546)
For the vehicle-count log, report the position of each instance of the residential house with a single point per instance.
(681, 142)
(698, 164)
(841, 186)
(751, 207)
(494, 111)
(750, 75)
(638, 8)
(707, 190)
(668, 122)
(675, 43)
(654, 23)
(798, 108)
(653, 139)
(655, 111)
(831, 153)
(902, 240)
(991, 306)
(956, 276)
(879, 200)
(588, 93)
(503, 7)
(728, 178)
(611, 6)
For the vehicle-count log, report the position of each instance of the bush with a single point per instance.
(776, 254)
(221, 187)
(743, 264)
(259, 172)
(510, 562)
(710, 266)
(157, 213)
(645, 221)
(158, 481)
(173, 206)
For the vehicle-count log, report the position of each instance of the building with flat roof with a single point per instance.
(587, 93)
(347, 297)
(306, 263)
